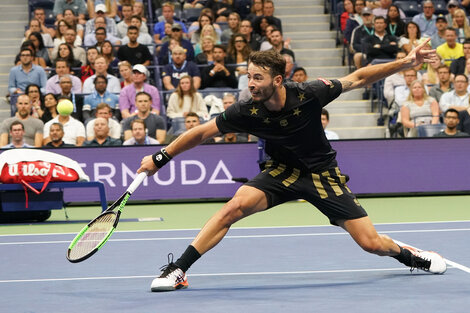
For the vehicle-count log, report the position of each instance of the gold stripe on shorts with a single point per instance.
(292, 178)
(268, 164)
(281, 168)
(342, 179)
(321, 190)
(334, 185)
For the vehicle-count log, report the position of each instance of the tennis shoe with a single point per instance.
(171, 277)
(428, 261)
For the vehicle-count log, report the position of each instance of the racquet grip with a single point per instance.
(137, 181)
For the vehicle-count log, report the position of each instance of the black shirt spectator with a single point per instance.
(217, 74)
(134, 52)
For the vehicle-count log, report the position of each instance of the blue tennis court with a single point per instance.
(272, 269)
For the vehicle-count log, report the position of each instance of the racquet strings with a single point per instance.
(93, 236)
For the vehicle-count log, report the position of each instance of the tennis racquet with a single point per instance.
(95, 234)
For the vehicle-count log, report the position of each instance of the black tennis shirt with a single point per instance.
(294, 136)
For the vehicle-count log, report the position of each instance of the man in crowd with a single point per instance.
(445, 84)
(439, 36)
(402, 91)
(359, 35)
(66, 92)
(100, 95)
(108, 23)
(56, 133)
(144, 38)
(26, 73)
(164, 55)
(102, 137)
(451, 49)
(139, 135)
(133, 51)
(100, 34)
(458, 98)
(451, 119)
(253, 39)
(426, 20)
(168, 12)
(299, 75)
(458, 66)
(325, 120)
(127, 21)
(62, 67)
(172, 73)
(218, 74)
(36, 26)
(101, 68)
(104, 110)
(268, 11)
(74, 130)
(77, 6)
(380, 45)
(277, 41)
(40, 15)
(16, 135)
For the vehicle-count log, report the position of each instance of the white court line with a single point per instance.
(448, 262)
(241, 236)
(395, 269)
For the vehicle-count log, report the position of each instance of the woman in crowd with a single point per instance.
(348, 7)
(125, 71)
(238, 52)
(256, 10)
(36, 59)
(411, 38)
(41, 50)
(431, 77)
(205, 18)
(138, 9)
(107, 50)
(418, 109)
(62, 27)
(72, 20)
(186, 99)
(65, 52)
(49, 108)
(88, 69)
(35, 98)
(395, 25)
(460, 23)
(207, 30)
(205, 57)
(234, 20)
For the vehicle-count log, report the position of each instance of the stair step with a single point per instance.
(313, 43)
(318, 53)
(305, 26)
(297, 3)
(348, 106)
(359, 132)
(13, 16)
(282, 10)
(311, 18)
(327, 71)
(296, 35)
(353, 119)
(306, 62)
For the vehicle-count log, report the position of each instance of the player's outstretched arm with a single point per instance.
(370, 74)
(185, 141)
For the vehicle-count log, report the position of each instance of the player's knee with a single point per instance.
(371, 245)
(231, 212)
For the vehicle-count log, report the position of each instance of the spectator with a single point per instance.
(104, 110)
(186, 99)
(107, 50)
(26, 73)
(217, 74)
(325, 120)
(205, 18)
(452, 6)
(49, 108)
(139, 135)
(65, 52)
(287, 75)
(74, 131)
(35, 97)
(62, 67)
(358, 36)
(172, 73)
(439, 37)
(126, 22)
(381, 45)
(418, 109)
(233, 27)
(127, 98)
(62, 27)
(108, 23)
(40, 15)
(33, 127)
(191, 120)
(238, 52)
(207, 46)
(193, 4)
(155, 123)
(77, 6)
(143, 38)
(100, 95)
(65, 83)
(451, 49)
(220, 8)
(354, 20)
(458, 66)
(451, 119)
(256, 10)
(72, 20)
(277, 42)
(165, 57)
(457, 98)
(299, 75)
(395, 25)
(398, 79)
(411, 39)
(430, 77)
(35, 26)
(109, 5)
(426, 21)
(464, 124)
(17, 134)
(100, 34)
(134, 52)
(253, 39)
(348, 11)
(125, 72)
(444, 85)
(41, 50)
(266, 44)
(460, 24)
(101, 68)
(89, 69)
(138, 9)
(78, 52)
(102, 137)
(36, 59)
(401, 92)
(268, 11)
(168, 11)
(207, 30)
(383, 7)
(56, 133)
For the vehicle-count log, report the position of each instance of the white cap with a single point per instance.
(141, 68)
(100, 7)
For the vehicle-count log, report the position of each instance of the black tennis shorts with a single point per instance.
(326, 190)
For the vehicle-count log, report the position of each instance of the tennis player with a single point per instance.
(302, 166)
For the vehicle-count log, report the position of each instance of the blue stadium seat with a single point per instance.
(410, 8)
(191, 15)
(440, 7)
(430, 130)
(47, 5)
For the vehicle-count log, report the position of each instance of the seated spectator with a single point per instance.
(207, 46)
(65, 84)
(395, 25)
(451, 120)
(56, 133)
(186, 99)
(325, 120)
(287, 75)
(348, 11)
(458, 66)
(33, 127)
(48, 108)
(139, 135)
(74, 131)
(207, 30)
(451, 49)
(440, 36)
(221, 9)
(66, 53)
(62, 68)
(126, 21)
(191, 120)
(381, 45)
(354, 21)
(77, 6)
(103, 110)
(41, 50)
(233, 27)
(134, 52)
(72, 20)
(36, 60)
(430, 77)
(107, 50)
(299, 75)
(238, 52)
(382, 9)
(266, 43)
(217, 74)
(127, 98)
(100, 34)
(62, 27)
(102, 137)
(234, 137)
(89, 69)
(17, 136)
(457, 98)
(109, 5)
(256, 10)
(261, 28)
(100, 95)
(101, 68)
(143, 38)
(205, 17)
(460, 24)
(40, 15)
(426, 21)
(464, 117)
(444, 85)
(452, 6)
(193, 4)
(155, 123)
(35, 97)
(103, 21)
(168, 11)
(165, 57)
(138, 9)
(78, 52)
(359, 35)
(35, 26)
(401, 92)
(418, 109)
(180, 67)
(26, 73)
(268, 11)
(125, 72)
(411, 39)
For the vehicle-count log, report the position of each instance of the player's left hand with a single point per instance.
(421, 54)
(147, 165)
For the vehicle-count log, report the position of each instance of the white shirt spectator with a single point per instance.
(401, 94)
(114, 129)
(450, 98)
(114, 85)
(72, 129)
(393, 81)
(331, 135)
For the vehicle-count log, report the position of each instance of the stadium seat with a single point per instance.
(430, 130)
(410, 8)
(47, 5)
(191, 15)
(440, 7)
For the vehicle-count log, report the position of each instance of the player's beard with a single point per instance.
(266, 94)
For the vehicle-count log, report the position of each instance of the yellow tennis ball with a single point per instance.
(65, 107)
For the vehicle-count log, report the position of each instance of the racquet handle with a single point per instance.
(137, 181)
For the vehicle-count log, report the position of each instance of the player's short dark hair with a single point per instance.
(299, 69)
(326, 113)
(143, 93)
(269, 59)
(100, 76)
(451, 111)
(16, 123)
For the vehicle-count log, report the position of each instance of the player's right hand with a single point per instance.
(147, 165)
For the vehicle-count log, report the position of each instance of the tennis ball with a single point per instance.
(65, 107)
